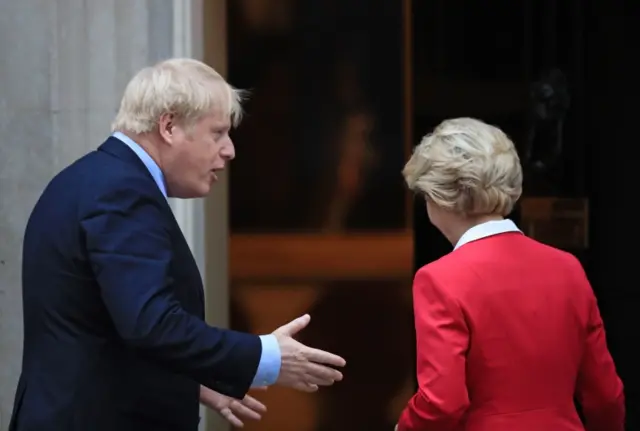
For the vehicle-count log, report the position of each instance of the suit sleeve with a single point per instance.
(130, 250)
(598, 388)
(442, 341)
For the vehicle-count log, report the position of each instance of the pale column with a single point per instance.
(64, 66)
(200, 32)
(216, 205)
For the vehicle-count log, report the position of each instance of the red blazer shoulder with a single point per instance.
(483, 314)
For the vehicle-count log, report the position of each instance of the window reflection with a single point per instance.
(368, 323)
(322, 145)
(320, 154)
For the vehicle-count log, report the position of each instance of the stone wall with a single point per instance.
(63, 66)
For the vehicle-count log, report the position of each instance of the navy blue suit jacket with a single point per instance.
(114, 336)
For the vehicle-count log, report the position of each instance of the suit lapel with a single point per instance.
(120, 150)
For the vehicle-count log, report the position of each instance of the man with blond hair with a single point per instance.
(114, 330)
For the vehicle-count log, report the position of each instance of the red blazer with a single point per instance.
(508, 332)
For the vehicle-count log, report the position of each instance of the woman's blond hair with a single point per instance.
(468, 167)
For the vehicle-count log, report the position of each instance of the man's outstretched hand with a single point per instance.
(234, 411)
(304, 368)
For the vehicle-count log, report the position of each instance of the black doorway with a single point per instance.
(480, 61)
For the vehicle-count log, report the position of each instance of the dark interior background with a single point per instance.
(327, 82)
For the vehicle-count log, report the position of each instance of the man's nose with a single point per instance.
(228, 151)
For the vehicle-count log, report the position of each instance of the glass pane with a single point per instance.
(369, 323)
(321, 147)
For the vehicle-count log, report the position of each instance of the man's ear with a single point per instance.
(166, 125)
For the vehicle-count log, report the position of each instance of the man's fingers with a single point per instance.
(322, 357)
(231, 418)
(293, 327)
(311, 379)
(244, 411)
(305, 387)
(254, 404)
(323, 375)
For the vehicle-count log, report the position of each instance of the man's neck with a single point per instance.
(145, 141)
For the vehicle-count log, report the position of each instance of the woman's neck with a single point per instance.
(459, 225)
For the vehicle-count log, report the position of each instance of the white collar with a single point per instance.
(489, 228)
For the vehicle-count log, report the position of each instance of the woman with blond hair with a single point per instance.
(508, 329)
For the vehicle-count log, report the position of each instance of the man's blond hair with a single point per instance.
(184, 87)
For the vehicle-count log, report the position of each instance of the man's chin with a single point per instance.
(201, 192)
(206, 189)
